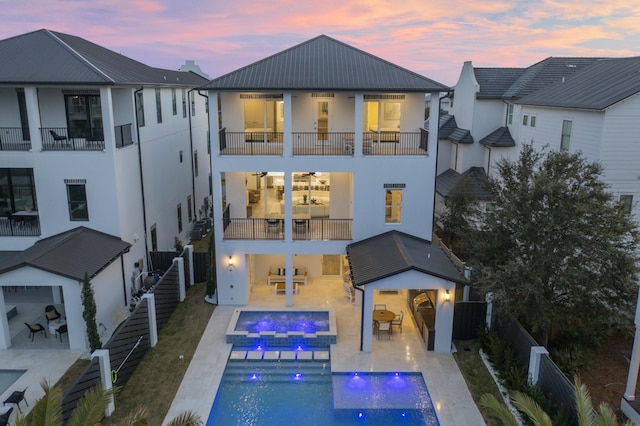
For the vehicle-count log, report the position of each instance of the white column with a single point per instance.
(357, 125)
(33, 113)
(534, 362)
(5, 334)
(288, 137)
(367, 320)
(214, 129)
(489, 298)
(73, 310)
(444, 319)
(108, 123)
(180, 262)
(288, 264)
(105, 375)
(288, 209)
(434, 121)
(632, 378)
(153, 324)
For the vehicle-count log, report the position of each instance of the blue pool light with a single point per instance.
(297, 377)
(360, 415)
(259, 348)
(299, 348)
(254, 377)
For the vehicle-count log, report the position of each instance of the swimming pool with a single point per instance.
(249, 327)
(269, 393)
(8, 377)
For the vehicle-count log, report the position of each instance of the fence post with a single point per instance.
(189, 249)
(105, 375)
(180, 262)
(153, 323)
(467, 288)
(489, 299)
(534, 362)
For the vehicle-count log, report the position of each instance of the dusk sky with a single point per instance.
(432, 38)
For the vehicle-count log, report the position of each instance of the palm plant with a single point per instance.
(587, 416)
(90, 410)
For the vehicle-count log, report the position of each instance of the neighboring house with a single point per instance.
(317, 147)
(472, 182)
(589, 105)
(91, 138)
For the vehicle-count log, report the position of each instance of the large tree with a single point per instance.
(557, 248)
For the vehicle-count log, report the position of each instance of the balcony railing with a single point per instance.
(273, 229)
(322, 229)
(25, 227)
(253, 229)
(13, 139)
(123, 135)
(329, 143)
(250, 143)
(59, 139)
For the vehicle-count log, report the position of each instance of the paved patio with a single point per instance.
(404, 352)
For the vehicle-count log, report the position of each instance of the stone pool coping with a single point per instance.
(271, 338)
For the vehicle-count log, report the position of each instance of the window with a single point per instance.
(180, 155)
(24, 118)
(140, 109)
(174, 102)
(626, 203)
(206, 105)
(381, 117)
(184, 103)
(195, 163)
(84, 116)
(393, 206)
(193, 105)
(533, 121)
(158, 106)
(179, 217)
(77, 200)
(510, 114)
(566, 135)
(262, 116)
(189, 209)
(525, 119)
(17, 191)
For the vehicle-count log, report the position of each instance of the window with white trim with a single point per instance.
(565, 139)
(393, 206)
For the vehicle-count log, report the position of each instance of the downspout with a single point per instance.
(361, 314)
(193, 174)
(124, 282)
(144, 206)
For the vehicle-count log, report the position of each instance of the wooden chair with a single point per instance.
(397, 321)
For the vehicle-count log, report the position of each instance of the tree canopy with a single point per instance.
(557, 248)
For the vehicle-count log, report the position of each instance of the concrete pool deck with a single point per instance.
(405, 352)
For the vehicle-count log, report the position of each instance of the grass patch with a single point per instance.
(157, 378)
(203, 244)
(478, 379)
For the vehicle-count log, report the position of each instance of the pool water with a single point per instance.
(282, 322)
(265, 393)
(8, 377)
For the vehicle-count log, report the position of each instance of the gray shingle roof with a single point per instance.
(475, 179)
(500, 138)
(449, 130)
(494, 82)
(395, 252)
(69, 254)
(49, 57)
(596, 87)
(324, 63)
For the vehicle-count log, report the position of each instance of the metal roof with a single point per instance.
(499, 138)
(395, 252)
(49, 57)
(449, 130)
(596, 87)
(69, 254)
(494, 82)
(475, 178)
(324, 63)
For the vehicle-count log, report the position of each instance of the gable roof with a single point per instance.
(475, 178)
(449, 130)
(596, 87)
(499, 138)
(494, 82)
(69, 254)
(49, 57)
(324, 63)
(394, 252)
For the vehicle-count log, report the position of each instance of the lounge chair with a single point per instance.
(5, 413)
(16, 398)
(51, 313)
(349, 291)
(35, 328)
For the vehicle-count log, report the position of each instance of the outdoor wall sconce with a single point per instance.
(447, 296)
(230, 263)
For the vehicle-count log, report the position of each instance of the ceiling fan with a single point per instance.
(308, 174)
(261, 174)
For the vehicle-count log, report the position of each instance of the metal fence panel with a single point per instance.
(520, 339)
(89, 378)
(556, 385)
(167, 295)
(468, 318)
(200, 266)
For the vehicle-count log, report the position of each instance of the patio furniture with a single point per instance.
(35, 328)
(5, 413)
(61, 330)
(349, 291)
(51, 313)
(380, 307)
(384, 327)
(16, 398)
(397, 321)
(276, 274)
(282, 288)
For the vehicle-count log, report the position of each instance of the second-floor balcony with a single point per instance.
(327, 143)
(14, 139)
(20, 224)
(63, 139)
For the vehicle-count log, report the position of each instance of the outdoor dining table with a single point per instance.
(382, 315)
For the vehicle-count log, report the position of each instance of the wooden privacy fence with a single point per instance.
(132, 339)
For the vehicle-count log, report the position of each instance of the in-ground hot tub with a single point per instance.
(311, 328)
